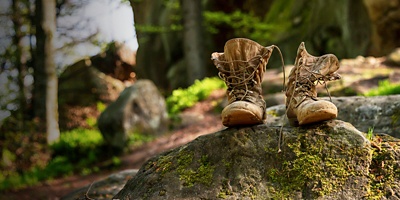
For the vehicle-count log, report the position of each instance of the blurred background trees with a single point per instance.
(30, 43)
(177, 37)
(345, 28)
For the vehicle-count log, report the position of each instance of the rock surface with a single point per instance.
(83, 84)
(330, 160)
(380, 114)
(139, 109)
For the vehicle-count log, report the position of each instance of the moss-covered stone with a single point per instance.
(385, 168)
(203, 174)
(317, 165)
(330, 160)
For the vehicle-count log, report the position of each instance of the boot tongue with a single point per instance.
(240, 50)
(319, 68)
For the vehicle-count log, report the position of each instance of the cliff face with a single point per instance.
(330, 160)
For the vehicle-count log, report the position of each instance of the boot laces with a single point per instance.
(241, 82)
(304, 84)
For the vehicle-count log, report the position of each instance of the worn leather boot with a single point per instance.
(242, 66)
(302, 104)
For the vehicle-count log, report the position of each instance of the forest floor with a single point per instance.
(204, 120)
(201, 119)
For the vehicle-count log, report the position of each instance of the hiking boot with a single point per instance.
(242, 66)
(302, 104)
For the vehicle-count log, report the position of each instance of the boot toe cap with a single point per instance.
(316, 111)
(242, 113)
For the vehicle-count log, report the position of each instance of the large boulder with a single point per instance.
(139, 109)
(380, 114)
(330, 160)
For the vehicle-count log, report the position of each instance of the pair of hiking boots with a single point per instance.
(242, 66)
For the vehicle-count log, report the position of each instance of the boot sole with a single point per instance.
(240, 117)
(318, 116)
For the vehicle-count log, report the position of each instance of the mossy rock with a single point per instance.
(380, 113)
(330, 160)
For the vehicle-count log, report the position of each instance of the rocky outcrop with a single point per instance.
(82, 84)
(379, 114)
(98, 78)
(331, 160)
(117, 61)
(140, 109)
(89, 81)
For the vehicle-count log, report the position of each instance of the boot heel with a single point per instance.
(293, 122)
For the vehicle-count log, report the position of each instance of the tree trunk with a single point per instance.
(154, 55)
(192, 39)
(20, 62)
(46, 69)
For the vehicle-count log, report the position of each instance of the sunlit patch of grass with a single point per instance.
(384, 88)
(185, 98)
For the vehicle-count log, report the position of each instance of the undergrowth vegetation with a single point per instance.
(384, 88)
(79, 151)
(28, 160)
(185, 98)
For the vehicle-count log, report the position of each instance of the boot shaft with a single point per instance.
(242, 66)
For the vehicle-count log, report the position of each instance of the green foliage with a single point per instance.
(91, 121)
(243, 24)
(56, 167)
(184, 98)
(384, 88)
(137, 139)
(78, 151)
(174, 17)
(370, 134)
(101, 106)
(77, 144)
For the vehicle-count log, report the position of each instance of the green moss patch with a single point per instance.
(384, 172)
(202, 174)
(320, 166)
